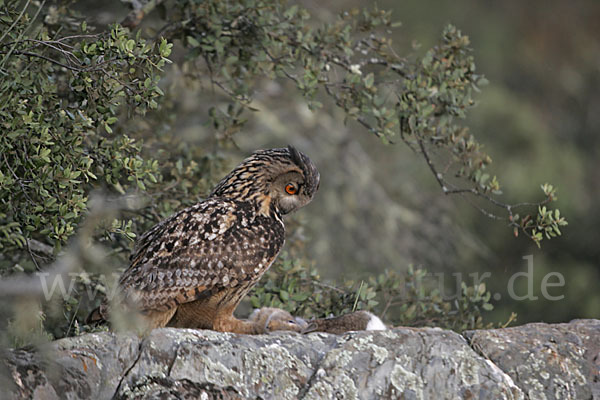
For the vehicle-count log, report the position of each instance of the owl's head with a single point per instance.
(296, 180)
(276, 179)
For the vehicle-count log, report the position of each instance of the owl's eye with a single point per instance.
(290, 188)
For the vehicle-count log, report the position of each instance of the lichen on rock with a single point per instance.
(536, 361)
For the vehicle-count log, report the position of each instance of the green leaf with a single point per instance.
(130, 45)
(193, 42)
(369, 80)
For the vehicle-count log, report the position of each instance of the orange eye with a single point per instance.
(290, 188)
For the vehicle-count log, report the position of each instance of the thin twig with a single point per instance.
(43, 57)
(10, 28)
(32, 256)
(19, 180)
(22, 33)
(324, 285)
(475, 192)
(444, 185)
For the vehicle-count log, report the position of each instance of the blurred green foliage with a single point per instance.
(56, 118)
(409, 299)
(84, 111)
(537, 118)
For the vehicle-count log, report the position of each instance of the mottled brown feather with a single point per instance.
(208, 247)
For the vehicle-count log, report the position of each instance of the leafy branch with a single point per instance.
(419, 100)
(66, 91)
(547, 222)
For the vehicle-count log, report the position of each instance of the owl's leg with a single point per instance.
(204, 314)
(264, 320)
(229, 323)
(158, 319)
(225, 303)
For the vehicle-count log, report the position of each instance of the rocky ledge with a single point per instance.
(534, 361)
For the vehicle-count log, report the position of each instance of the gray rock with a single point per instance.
(531, 361)
(408, 364)
(82, 367)
(560, 361)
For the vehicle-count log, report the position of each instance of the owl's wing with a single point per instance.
(203, 249)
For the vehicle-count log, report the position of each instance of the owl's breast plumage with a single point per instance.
(214, 245)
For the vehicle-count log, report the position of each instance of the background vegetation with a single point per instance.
(106, 130)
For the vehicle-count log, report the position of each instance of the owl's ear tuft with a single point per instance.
(296, 157)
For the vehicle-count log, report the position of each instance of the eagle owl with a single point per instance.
(192, 269)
